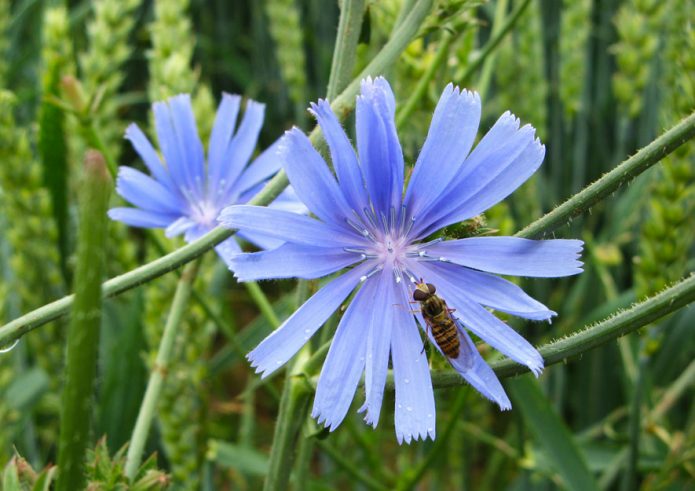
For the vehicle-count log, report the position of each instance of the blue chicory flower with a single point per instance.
(183, 194)
(364, 223)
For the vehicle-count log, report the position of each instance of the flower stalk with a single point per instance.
(83, 332)
(159, 370)
(294, 405)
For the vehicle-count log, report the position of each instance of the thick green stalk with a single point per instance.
(344, 52)
(610, 329)
(83, 333)
(342, 105)
(291, 414)
(159, 370)
(609, 183)
(489, 64)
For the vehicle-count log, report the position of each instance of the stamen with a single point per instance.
(362, 231)
(397, 273)
(370, 216)
(401, 221)
(384, 222)
(371, 273)
(392, 219)
(410, 227)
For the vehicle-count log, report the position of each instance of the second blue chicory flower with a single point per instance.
(186, 191)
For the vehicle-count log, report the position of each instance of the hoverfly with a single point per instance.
(438, 318)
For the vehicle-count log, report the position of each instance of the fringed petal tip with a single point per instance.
(409, 438)
(230, 97)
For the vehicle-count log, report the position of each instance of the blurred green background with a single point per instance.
(597, 79)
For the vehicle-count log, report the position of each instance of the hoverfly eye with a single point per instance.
(419, 295)
(431, 288)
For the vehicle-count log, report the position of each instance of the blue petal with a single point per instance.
(146, 193)
(275, 350)
(227, 250)
(259, 240)
(241, 147)
(190, 146)
(345, 163)
(288, 201)
(493, 291)
(378, 146)
(414, 411)
(379, 344)
(473, 368)
(179, 227)
(169, 145)
(290, 261)
(290, 227)
(311, 179)
(149, 156)
(220, 137)
(345, 361)
(450, 137)
(479, 321)
(514, 256)
(263, 166)
(140, 218)
(502, 161)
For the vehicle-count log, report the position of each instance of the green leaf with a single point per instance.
(243, 459)
(551, 434)
(26, 388)
(10, 478)
(43, 483)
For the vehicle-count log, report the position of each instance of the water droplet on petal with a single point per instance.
(407, 380)
(430, 430)
(279, 362)
(429, 415)
(409, 408)
(307, 331)
(400, 406)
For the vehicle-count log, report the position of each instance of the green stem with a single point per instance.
(421, 88)
(488, 66)
(342, 105)
(674, 392)
(344, 52)
(159, 370)
(640, 315)
(83, 332)
(262, 302)
(634, 427)
(493, 42)
(609, 183)
(293, 407)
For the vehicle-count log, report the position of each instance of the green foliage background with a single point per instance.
(598, 79)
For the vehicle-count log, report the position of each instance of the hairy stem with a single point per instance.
(159, 370)
(344, 53)
(609, 183)
(609, 329)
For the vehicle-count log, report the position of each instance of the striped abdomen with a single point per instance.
(444, 331)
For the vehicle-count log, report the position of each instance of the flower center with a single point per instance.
(205, 213)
